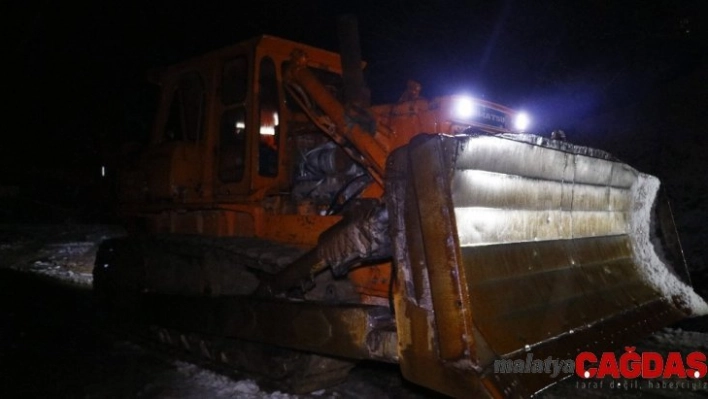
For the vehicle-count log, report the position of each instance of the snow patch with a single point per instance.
(678, 339)
(61, 272)
(222, 386)
(62, 252)
(644, 191)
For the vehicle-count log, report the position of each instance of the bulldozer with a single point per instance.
(281, 223)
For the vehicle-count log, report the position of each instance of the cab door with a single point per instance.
(249, 144)
(267, 146)
(174, 161)
(232, 156)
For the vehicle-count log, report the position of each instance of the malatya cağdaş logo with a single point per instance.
(647, 365)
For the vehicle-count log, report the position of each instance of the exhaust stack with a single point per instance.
(355, 90)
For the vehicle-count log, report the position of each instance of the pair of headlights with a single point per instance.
(465, 108)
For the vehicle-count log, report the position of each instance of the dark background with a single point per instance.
(629, 76)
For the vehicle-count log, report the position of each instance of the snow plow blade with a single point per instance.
(517, 247)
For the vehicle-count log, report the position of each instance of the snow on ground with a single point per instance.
(676, 339)
(68, 256)
(66, 253)
(198, 381)
(176, 379)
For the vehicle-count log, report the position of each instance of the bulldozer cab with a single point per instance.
(223, 123)
(230, 146)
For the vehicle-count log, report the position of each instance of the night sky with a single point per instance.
(78, 84)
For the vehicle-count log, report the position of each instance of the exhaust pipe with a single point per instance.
(355, 90)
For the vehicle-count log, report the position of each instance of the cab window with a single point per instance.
(269, 124)
(186, 115)
(234, 82)
(233, 145)
(232, 131)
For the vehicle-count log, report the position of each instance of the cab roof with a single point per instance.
(264, 44)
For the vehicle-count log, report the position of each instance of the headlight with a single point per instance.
(521, 121)
(464, 108)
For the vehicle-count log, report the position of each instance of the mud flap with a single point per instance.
(515, 246)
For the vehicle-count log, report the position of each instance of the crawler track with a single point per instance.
(184, 294)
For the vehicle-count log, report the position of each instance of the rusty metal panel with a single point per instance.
(516, 157)
(477, 188)
(550, 245)
(539, 290)
(430, 171)
(488, 226)
(354, 331)
(544, 236)
(606, 335)
(416, 320)
(548, 251)
(507, 191)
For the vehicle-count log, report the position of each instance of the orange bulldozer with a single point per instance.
(276, 211)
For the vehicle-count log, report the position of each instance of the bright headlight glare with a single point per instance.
(522, 121)
(464, 108)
